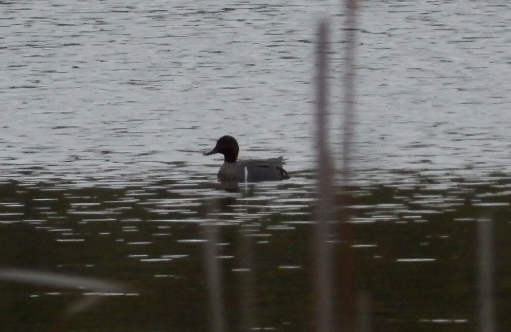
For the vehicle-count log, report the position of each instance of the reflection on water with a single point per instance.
(148, 236)
(415, 240)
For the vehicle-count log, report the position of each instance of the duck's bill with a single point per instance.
(211, 152)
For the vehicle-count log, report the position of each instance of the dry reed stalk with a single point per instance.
(214, 277)
(354, 305)
(98, 290)
(485, 277)
(325, 196)
(247, 275)
(349, 91)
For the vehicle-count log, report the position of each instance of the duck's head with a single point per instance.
(228, 146)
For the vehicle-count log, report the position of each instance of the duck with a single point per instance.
(252, 170)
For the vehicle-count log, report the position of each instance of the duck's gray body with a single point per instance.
(251, 170)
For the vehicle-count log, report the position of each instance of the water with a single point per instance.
(106, 110)
(433, 86)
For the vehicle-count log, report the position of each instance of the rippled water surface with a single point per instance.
(107, 106)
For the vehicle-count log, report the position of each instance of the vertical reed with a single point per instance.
(214, 277)
(324, 290)
(248, 282)
(350, 26)
(354, 305)
(325, 201)
(485, 277)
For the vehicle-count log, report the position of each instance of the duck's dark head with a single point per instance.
(228, 146)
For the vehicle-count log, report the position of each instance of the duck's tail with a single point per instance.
(284, 174)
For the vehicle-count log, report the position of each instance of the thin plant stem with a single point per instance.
(214, 276)
(324, 215)
(349, 90)
(247, 274)
(485, 277)
(354, 305)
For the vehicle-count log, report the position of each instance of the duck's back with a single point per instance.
(253, 170)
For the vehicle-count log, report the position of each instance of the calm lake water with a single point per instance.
(107, 106)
